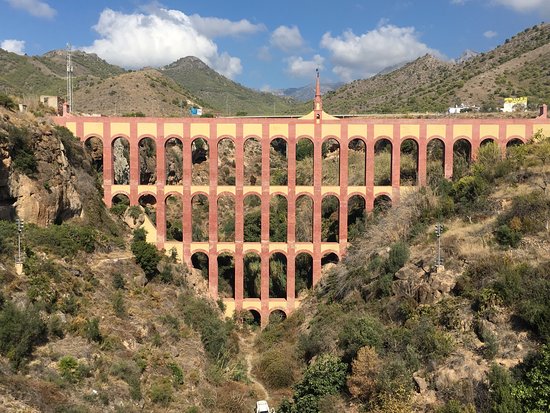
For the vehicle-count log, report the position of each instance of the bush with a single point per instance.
(357, 333)
(507, 237)
(20, 331)
(398, 257)
(146, 255)
(118, 281)
(68, 368)
(91, 330)
(129, 372)
(7, 102)
(161, 392)
(276, 367)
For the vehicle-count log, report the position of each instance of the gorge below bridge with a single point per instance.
(260, 205)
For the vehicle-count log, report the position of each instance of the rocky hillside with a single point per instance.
(224, 95)
(144, 92)
(99, 320)
(388, 331)
(519, 67)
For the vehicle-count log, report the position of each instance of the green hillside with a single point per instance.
(519, 67)
(224, 95)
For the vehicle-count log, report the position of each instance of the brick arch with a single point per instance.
(438, 137)
(93, 135)
(411, 137)
(148, 136)
(488, 138)
(283, 137)
(382, 137)
(171, 193)
(252, 250)
(253, 192)
(334, 137)
(199, 192)
(515, 137)
(147, 192)
(360, 137)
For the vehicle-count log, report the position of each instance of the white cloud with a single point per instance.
(298, 67)
(14, 46)
(155, 39)
(216, 27)
(360, 56)
(527, 6)
(489, 34)
(287, 39)
(36, 8)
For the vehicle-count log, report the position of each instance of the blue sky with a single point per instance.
(267, 44)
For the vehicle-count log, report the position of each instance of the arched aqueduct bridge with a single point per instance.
(245, 198)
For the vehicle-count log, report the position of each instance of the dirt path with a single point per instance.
(246, 341)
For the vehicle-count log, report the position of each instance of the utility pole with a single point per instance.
(20, 224)
(69, 78)
(438, 232)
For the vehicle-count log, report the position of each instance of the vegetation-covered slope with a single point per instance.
(386, 330)
(100, 320)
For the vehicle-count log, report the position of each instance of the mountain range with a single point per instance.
(518, 67)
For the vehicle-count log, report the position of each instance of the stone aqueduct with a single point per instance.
(317, 127)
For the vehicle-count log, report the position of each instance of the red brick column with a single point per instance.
(213, 210)
(264, 253)
(422, 155)
(161, 179)
(396, 164)
(134, 164)
(187, 216)
(476, 141)
(239, 217)
(369, 168)
(291, 220)
(343, 210)
(317, 200)
(107, 164)
(448, 140)
(502, 138)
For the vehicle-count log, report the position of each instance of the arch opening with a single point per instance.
(276, 317)
(277, 275)
(304, 162)
(330, 219)
(278, 162)
(356, 216)
(119, 204)
(304, 273)
(382, 162)
(200, 162)
(382, 203)
(199, 218)
(357, 161)
(121, 161)
(408, 163)
(462, 156)
(174, 212)
(226, 218)
(94, 146)
(226, 162)
(147, 162)
(252, 209)
(330, 162)
(253, 162)
(173, 153)
(329, 258)
(252, 275)
(252, 318)
(304, 219)
(435, 162)
(278, 212)
(226, 275)
(149, 204)
(200, 263)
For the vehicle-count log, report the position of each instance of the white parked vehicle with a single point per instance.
(262, 407)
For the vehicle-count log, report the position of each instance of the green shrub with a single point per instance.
(118, 305)
(64, 240)
(20, 331)
(276, 367)
(130, 372)
(533, 391)
(507, 237)
(147, 257)
(359, 332)
(398, 257)
(118, 281)
(501, 388)
(216, 335)
(119, 209)
(68, 368)
(7, 102)
(91, 330)
(177, 374)
(161, 392)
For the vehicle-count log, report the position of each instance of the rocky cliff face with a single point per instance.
(37, 181)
